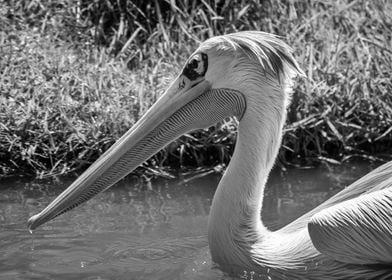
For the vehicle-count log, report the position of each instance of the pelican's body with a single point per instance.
(248, 75)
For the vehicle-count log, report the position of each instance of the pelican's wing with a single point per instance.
(357, 228)
(378, 179)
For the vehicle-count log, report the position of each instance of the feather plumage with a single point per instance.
(264, 67)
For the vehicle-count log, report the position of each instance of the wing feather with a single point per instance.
(378, 179)
(358, 230)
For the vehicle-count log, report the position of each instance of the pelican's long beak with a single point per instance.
(185, 106)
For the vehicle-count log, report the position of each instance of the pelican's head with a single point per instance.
(222, 78)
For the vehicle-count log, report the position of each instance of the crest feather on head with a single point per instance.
(268, 49)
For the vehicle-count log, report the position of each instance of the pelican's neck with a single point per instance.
(235, 222)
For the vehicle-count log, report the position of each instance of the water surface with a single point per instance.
(139, 229)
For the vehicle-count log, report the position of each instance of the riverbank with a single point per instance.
(71, 85)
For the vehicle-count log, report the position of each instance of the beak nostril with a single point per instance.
(181, 84)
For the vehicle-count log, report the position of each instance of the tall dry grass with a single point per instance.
(76, 74)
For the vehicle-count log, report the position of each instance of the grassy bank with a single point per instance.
(75, 76)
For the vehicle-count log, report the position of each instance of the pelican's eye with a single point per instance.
(196, 66)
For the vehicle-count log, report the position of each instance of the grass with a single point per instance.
(74, 76)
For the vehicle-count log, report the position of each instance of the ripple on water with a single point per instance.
(54, 255)
(144, 252)
(107, 254)
(63, 255)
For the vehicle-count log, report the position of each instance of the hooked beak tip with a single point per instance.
(32, 223)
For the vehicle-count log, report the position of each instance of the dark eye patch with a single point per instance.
(196, 67)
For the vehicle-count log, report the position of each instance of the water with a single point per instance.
(139, 230)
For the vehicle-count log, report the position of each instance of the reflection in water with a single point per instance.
(135, 232)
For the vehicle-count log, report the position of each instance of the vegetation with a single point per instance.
(75, 75)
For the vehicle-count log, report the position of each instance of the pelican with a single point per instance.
(248, 75)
